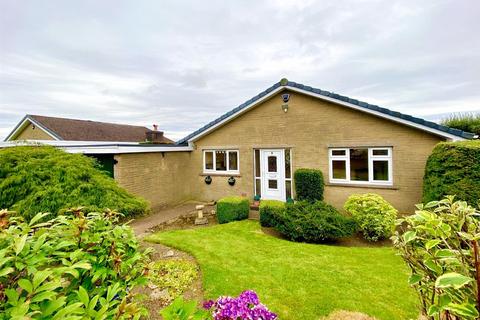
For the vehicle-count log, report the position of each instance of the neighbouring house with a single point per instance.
(74, 132)
(255, 148)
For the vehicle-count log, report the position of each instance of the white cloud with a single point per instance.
(182, 63)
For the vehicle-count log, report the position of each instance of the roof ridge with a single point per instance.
(82, 120)
(404, 116)
(286, 83)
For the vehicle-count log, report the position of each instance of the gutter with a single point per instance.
(100, 147)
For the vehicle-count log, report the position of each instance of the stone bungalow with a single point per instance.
(256, 147)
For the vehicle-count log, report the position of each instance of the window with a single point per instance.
(288, 173)
(220, 161)
(361, 165)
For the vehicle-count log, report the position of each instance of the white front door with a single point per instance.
(273, 174)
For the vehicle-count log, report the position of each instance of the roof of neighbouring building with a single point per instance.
(87, 130)
(336, 98)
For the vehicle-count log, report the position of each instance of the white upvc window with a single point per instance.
(221, 161)
(361, 165)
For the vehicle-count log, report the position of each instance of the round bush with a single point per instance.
(313, 222)
(309, 184)
(375, 217)
(453, 168)
(45, 179)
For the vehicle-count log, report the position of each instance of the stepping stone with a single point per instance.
(169, 254)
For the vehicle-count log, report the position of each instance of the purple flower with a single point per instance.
(208, 304)
(246, 306)
(249, 296)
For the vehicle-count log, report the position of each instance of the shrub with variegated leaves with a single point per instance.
(440, 245)
(75, 266)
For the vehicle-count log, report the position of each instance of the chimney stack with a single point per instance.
(154, 136)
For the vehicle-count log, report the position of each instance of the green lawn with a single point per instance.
(297, 280)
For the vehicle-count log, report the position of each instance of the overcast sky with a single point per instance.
(182, 63)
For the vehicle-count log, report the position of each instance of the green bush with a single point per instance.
(469, 122)
(232, 208)
(309, 184)
(439, 243)
(313, 222)
(453, 168)
(375, 217)
(75, 266)
(268, 208)
(45, 179)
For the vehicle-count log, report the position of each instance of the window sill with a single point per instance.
(220, 174)
(369, 186)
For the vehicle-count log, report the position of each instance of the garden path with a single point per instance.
(142, 226)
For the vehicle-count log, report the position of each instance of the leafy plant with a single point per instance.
(312, 222)
(469, 122)
(267, 212)
(375, 217)
(440, 245)
(45, 179)
(453, 168)
(309, 184)
(184, 310)
(175, 275)
(73, 266)
(245, 306)
(232, 208)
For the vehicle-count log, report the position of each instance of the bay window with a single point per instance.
(361, 165)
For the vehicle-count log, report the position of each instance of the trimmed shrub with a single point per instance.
(232, 208)
(439, 244)
(313, 222)
(74, 266)
(453, 168)
(309, 184)
(269, 209)
(375, 217)
(45, 179)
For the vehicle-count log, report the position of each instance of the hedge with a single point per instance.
(313, 222)
(45, 179)
(309, 184)
(232, 208)
(453, 168)
(469, 122)
(268, 210)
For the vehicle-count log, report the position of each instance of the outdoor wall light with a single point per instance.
(285, 99)
(231, 181)
(208, 179)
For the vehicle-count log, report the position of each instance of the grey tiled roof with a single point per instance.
(286, 84)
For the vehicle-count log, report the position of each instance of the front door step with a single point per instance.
(254, 215)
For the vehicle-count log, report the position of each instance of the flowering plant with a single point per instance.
(246, 306)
